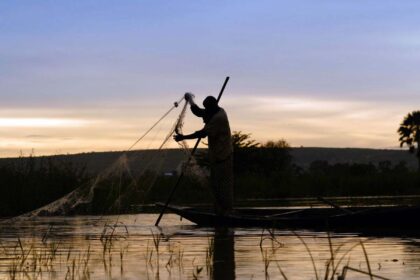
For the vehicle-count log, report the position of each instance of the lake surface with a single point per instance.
(130, 247)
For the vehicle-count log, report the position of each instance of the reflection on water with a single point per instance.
(223, 254)
(129, 247)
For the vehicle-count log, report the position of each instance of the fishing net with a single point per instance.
(119, 185)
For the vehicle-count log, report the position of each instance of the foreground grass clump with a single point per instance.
(118, 254)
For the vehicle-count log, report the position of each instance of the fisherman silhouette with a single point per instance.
(217, 130)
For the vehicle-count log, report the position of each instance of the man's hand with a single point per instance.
(178, 137)
(189, 97)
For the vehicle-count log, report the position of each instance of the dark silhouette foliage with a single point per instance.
(251, 157)
(261, 160)
(409, 132)
(243, 140)
(262, 171)
(29, 183)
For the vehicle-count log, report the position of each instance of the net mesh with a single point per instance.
(118, 184)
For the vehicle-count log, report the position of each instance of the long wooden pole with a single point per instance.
(188, 161)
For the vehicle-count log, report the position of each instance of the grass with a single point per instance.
(31, 259)
(27, 183)
(332, 265)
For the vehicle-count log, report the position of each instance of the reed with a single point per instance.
(197, 272)
(209, 256)
(332, 265)
(36, 258)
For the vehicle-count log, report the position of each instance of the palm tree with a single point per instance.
(409, 132)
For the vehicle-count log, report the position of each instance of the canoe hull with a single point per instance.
(399, 218)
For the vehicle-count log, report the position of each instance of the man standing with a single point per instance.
(217, 130)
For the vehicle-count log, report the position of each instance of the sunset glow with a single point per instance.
(39, 122)
(88, 76)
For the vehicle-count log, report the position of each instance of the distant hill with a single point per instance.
(164, 160)
(169, 160)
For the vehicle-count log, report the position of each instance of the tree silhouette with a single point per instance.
(409, 132)
(276, 144)
(243, 140)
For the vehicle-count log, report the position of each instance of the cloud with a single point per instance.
(37, 136)
(319, 122)
(40, 122)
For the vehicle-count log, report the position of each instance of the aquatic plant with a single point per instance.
(332, 265)
(165, 257)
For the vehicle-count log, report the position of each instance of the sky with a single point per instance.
(93, 75)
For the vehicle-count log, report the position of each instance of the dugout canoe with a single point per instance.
(353, 218)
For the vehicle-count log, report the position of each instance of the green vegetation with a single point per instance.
(409, 132)
(262, 171)
(110, 255)
(243, 140)
(323, 179)
(266, 171)
(29, 183)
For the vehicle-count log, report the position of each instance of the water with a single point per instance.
(129, 247)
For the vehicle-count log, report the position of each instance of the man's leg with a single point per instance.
(222, 186)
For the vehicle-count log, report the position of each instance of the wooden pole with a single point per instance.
(188, 161)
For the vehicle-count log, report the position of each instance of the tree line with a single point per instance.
(262, 171)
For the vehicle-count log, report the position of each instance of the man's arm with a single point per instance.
(198, 134)
(199, 112)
